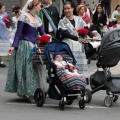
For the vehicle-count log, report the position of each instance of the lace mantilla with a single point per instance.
(24, 18)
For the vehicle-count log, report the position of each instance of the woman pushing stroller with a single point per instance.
(23, 76)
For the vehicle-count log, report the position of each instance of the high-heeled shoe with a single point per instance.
(2, 65)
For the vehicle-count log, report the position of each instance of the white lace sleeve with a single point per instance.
(40, 21)
(24, 18)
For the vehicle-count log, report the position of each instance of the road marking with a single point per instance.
(74, 106)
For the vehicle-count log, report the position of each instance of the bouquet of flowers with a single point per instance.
(7, 21)
(82, 32)
(44, 39)
(117, 16)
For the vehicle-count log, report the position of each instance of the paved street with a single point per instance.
(14, 108)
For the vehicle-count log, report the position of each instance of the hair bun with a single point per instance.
(15, 8)
(32, 4)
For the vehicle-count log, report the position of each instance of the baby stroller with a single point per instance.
(90, 51)
(57, 90)
(108, 56)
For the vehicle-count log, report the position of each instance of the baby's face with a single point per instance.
(58, 58)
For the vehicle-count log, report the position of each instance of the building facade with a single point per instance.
(110, 5)
(89, 3)
(10, 3)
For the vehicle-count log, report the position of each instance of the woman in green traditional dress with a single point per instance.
(23, 76)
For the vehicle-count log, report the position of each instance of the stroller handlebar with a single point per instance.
(90, 40)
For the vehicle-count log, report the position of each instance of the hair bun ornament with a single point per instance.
(30, 4)
(25, 8)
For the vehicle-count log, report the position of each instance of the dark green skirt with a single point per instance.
(22, 77)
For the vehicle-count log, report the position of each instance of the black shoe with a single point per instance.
(2, 65)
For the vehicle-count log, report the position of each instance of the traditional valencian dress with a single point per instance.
(4, 37)
(76, 47)
(23, 76)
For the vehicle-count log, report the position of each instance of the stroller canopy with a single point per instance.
(109, 52)
(111, 39)
(58, 46)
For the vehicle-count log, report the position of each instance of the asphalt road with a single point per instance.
(14, 108)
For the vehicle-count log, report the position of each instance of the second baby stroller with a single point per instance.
(108, 56)
(57, 90)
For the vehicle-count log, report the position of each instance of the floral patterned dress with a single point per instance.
(23, 76)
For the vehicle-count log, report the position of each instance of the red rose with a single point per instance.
(44, 39)
(83, 31)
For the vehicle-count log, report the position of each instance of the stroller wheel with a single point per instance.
(88, 96)
(115, 98)
(39, 97)
(61, 105)
(108, 101)
(69, 102)
(82, 104)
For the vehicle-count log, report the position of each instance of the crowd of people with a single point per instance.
(39, 18)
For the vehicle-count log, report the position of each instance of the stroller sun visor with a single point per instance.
(57, 46)
(111, 40)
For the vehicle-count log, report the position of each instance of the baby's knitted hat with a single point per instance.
(57, 53)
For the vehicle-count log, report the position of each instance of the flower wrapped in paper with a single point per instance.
(7, 21)
(44, 39)
(82, 32)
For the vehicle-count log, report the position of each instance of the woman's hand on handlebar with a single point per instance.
(81, 40)
(49, 35)
(95, 38)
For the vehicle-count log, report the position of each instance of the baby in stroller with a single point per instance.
(62, 85)
(67, 74)
(67, 67)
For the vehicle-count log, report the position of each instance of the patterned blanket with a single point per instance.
(70, 81)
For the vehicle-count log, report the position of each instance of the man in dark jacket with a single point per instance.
(53, 13)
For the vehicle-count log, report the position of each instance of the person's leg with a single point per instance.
(43, 77)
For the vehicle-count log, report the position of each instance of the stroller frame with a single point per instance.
(108, 56)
